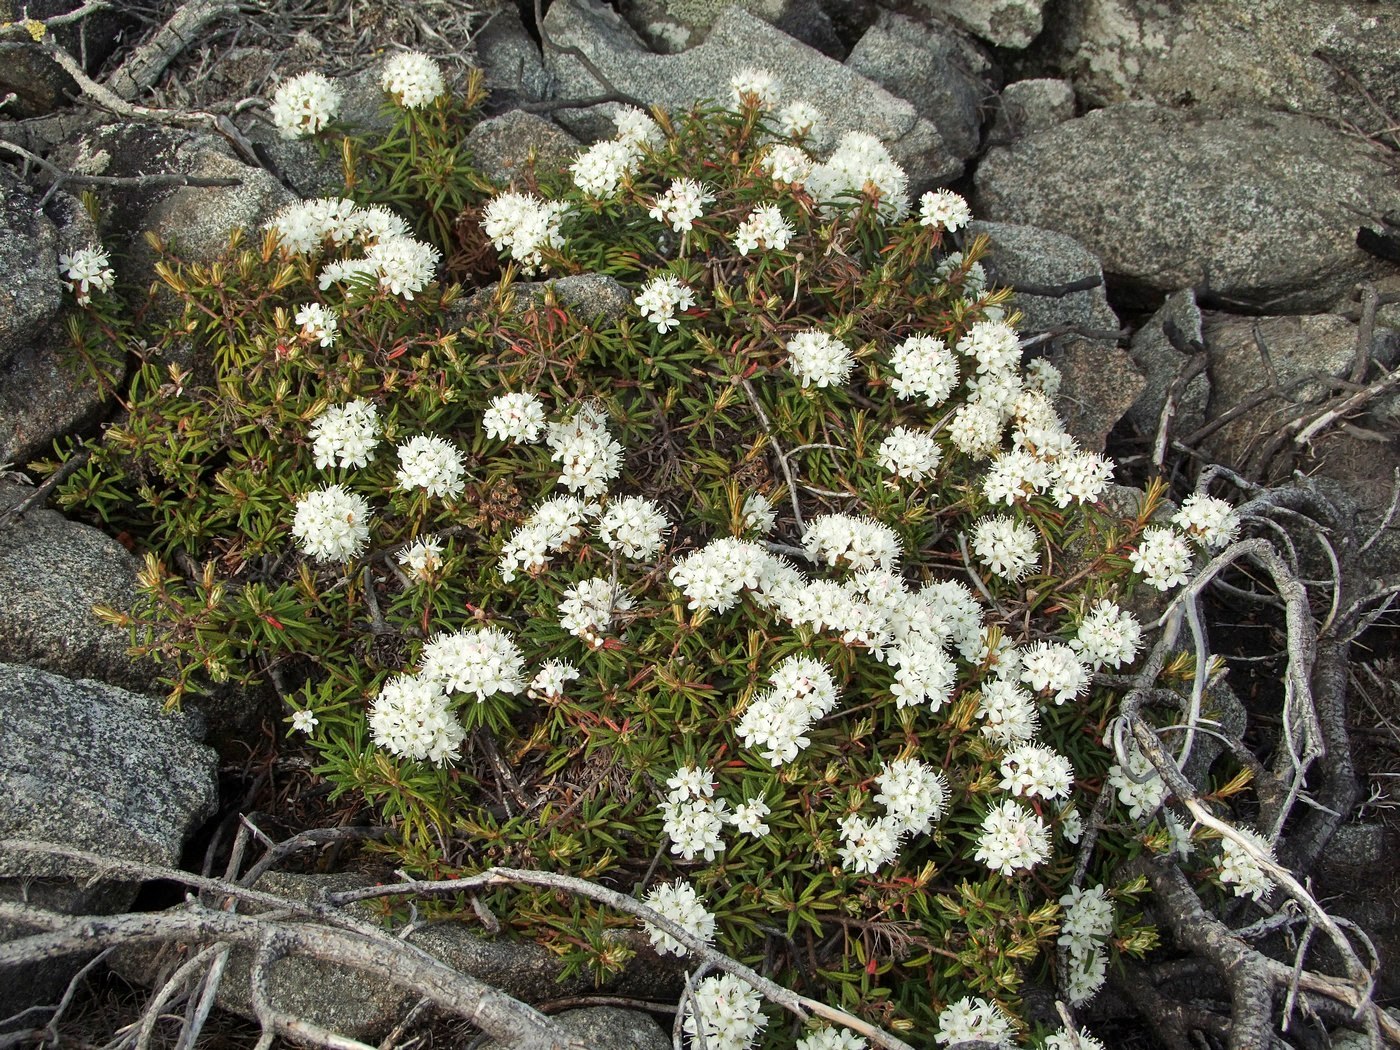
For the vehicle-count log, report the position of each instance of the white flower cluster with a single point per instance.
(973, 1019)
(1080, 1040)
(413, 80)
(86, 271)
(1009, 711)
(1211, 522)
(483, 661)
(692, 817)
(910, 454)
(914, 794)
(1087, 924)
(800, 691)
(635, 127)
(856, 543)
(944, 210)
(588, 607)
(412, 718)
(1240, 871)
(392, 260)
(832, 1039)
(432, 464)
(1162, 558)
(754, 87)
(678, 902)
(304, 105)
(633, 526)
(860, 166)
(345, 435)
(422, 558)
(868, 845)
(1108, 637)
(682, 203)
(524, 226)
(318, 323)
(714, 576)
(332, 524)
(1007, 547)
(799, 119)
(600, 169)
(1140, 788)
(924, 367)
(551, 680)
(731, 1014)
(819, 358)
(1013, 839)
(748, 817)
(588, 456)
(759, 515)
(764, 228)
(994, 345)
(1036, 771)
(662, 298)
(514, 417)
(788, 165)
(1054, 671)
(552, 526)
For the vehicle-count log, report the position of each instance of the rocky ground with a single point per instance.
(1197, 203)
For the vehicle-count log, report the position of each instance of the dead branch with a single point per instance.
(143, 67)
(62, 177)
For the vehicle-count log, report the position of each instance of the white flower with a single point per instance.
(1043, 376)
(1086, 976)
(637, 128)
(422, 558)
(924, 367)
(662, 298)
(678, 902)
(765, 228)
(86, 271)
(524, 226)
(1081, 478)
(777, 720)
(758, 514)
(633, 526)
(714, 576)
(974, 1020)
(412, 718)
(317, 322)
(304, 105)
(910, 454)
(483, 661)
(689, 782)
(694, 826)
(855, 543)
(549, 681)
(681, 204)
(976, 429)
(1071, 825)
(755, 87)
(432, 464)
(1006, 546)
(868, 845)
(731, 1014)
(789, 165)
(1162, 557)
(345, 435)
(944, 210)
(861, 167)
(332, 524)
(748, 817)
(304, 721)
(600, 169)
(1015, 477)
(914, 794)
(1241, 872)
(514, 417)
(588, 607)
(587, 454)
(1013, 839)
(403, 265)
(1009, 710)
(1037, 771)
(1088, 920)
(555, 524)
(816, 357)
(1139, 786)
(1054, 669)
(376, 223)
(993, 344)
(413, 79)
(832, 1039)
(1211, 522)
(798, 119)
(1080, 1040)
(1108, 637)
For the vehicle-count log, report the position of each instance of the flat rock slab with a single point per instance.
(1258, 209)
(738, 40)
(1027, 257)
(1006, 23)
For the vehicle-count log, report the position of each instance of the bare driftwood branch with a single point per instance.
(143, 67)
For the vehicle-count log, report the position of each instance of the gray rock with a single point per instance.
(1030, 257)
(737, 40)
(500, 147)
(945, 76)
(1258, 208)
(1100, 385)
(53, 571)
(608, 1028)
(1161, 363)
(1029, 106)
(670, 26)
(1005, 23)
(1227, 54)
(510, 59)
(366, 1006)
(44, 395)
(39, 84)
(30, 291)
(592, 296)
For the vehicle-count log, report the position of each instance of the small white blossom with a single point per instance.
(1088, 920)
(695, 826)
(422, 558)
(524, 226)
(1087, 975)
(1080, 1040)
(633, 526)
(1036, 771)
(799, 119)
(317, 322)
(600, 169)
(1043, 376)
(432, 464)
(1162, 558)
(993, 344)
(1054, 670)
(910, 454)
(748, 817)
(759, 515)
(411, 717)
(588, 607)
(588, 456)
(1211, 522)
(758, 87)
(1007, 547)
(1140, 788)
(856, 543)
(976, 429)
(868, 845)
(816, 357)
(662, 299)
(764, 228)
(304, 721)
(861, 168)
(515, 417)
(413, 79)
(1081, 478)
(1241, 872)
(481, 661)
(944, 210)
(832, 1039)
(678, 902)
(1071, 825)
(914, 794)
(86, 270)
(332, 524)
(551, 679)
(1009, 711)
(974, 1020)
(1015, 477)
(1108, 637)
(403, 265)
(345, 435)
(924, 367)
(303, 227)
(1013, 839)
(637, 128)
(731, 1014)
(555, 524)
(304, 105)
(681, 204)
(789, 165)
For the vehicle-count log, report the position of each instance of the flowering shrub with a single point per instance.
(777, 599)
